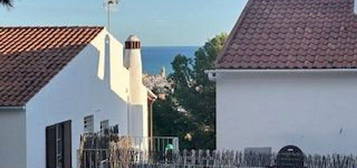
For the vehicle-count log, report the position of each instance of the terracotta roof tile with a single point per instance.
(293, 34)
(31, 56)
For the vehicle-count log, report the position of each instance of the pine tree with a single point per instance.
(190, 108)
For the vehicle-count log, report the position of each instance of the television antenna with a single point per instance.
(110, 6)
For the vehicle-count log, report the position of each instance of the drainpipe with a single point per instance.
(211, 74)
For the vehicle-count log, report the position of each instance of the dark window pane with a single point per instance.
(51, 154)
(58, 145)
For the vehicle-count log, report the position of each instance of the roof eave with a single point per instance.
(151, 94)
(282, 70)
(12, 107)
(212, 74)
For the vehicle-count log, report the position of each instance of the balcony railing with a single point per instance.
(98, 151)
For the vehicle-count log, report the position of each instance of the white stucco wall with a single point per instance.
(12, 138)
(316, 111)
(139, 117)
(82, 88)
(138, 91)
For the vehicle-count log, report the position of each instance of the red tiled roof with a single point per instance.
(293, 34)
(31, 56)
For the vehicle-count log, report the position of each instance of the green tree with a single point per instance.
(190, 106)
(7, 3)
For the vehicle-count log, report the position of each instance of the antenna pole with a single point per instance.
(108, 4)
(108, 16)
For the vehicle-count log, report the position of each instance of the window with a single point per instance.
(59, 145)
(89, 124)
(104, 126)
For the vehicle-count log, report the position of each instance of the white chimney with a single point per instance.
(133, 63)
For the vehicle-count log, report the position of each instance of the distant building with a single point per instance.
(57, 83)
(158, 83)
(288, 75)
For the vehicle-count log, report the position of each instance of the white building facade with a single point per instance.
(287, 76)
(314, 110)
(95, 83)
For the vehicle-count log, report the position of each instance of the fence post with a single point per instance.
(184, 157)
(193, 158)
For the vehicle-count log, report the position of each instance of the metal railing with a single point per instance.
(98, 151)
(155, 144)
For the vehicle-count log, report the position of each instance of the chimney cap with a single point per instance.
(133, 38)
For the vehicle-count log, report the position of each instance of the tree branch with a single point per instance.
(7, 3)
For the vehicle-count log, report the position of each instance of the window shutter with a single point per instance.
(51, 147)
(67, 133)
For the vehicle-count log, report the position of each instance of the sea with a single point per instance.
(154, 58)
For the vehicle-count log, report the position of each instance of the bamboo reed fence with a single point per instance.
(113, 151)
(125, 158)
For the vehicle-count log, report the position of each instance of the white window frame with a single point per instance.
(88, 124)
(104, 125)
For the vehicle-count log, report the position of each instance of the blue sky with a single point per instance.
(157, 22)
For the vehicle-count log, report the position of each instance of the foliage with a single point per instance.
(189, 109)
(7, 3)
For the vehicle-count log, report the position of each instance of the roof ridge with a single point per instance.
(233, 32)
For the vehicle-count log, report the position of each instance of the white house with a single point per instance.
(288, 76)
(57, 83)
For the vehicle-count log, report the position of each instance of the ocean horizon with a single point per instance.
(156, 57)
